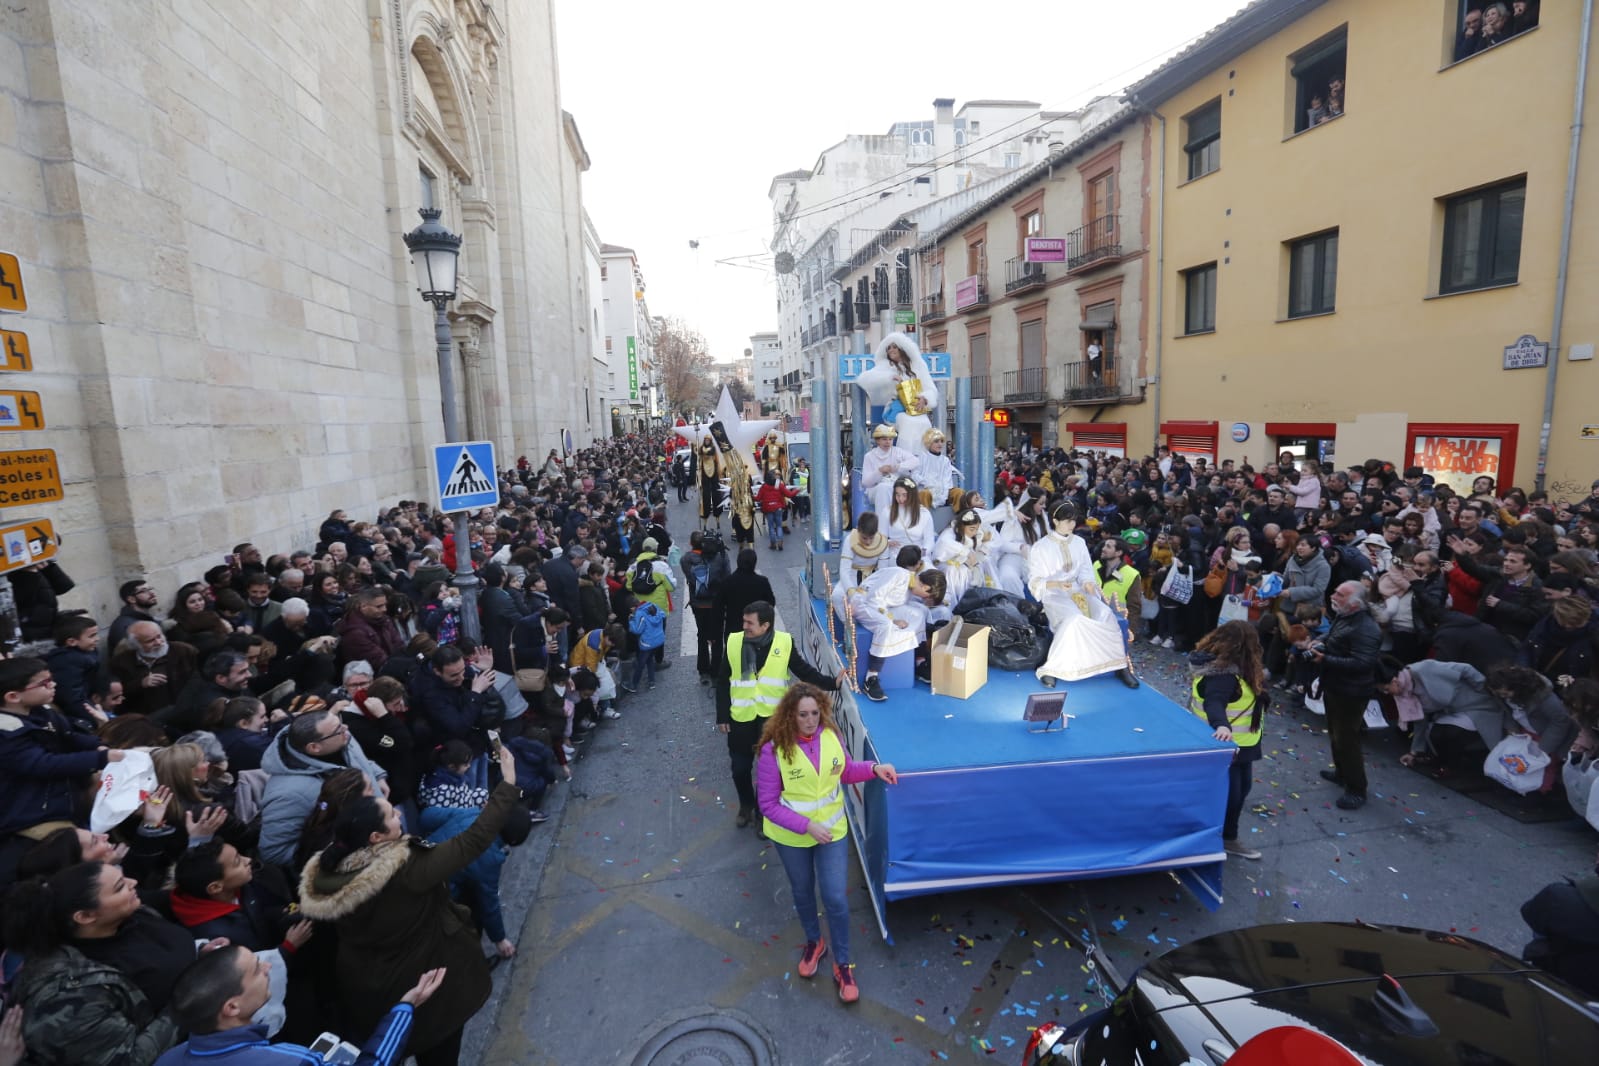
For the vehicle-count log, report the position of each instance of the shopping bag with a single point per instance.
(1579, 774)
(1215, 581)
(1233, 609)
(1313, 701)
(1149, 608)
(1179, 584)
(607, 689)
(1517, 763)
(124, 786)
(1374, 717)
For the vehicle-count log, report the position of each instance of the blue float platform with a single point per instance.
(1134, 784)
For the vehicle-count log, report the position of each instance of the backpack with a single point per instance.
(643, 580)
(701, 585)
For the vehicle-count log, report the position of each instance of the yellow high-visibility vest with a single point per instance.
(1240, 713)
(756, 697)
(816, 794)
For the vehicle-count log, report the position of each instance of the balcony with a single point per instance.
(979, 386)
(1083, 386)
(1021, 275)
(1096, 244)
(1028, 385)
(933, 308)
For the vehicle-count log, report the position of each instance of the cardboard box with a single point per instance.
(960, 659)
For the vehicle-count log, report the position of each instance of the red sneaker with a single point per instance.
(844, 978)
(811, 956)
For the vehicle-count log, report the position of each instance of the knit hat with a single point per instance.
(650, 545)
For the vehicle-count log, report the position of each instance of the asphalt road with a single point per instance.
(640, 903)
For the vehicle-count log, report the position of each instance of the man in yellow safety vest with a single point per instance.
(752, 677)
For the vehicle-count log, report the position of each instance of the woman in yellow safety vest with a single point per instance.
(1229, 693)
(800, 776)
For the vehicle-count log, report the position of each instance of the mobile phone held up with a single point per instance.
(494, 743)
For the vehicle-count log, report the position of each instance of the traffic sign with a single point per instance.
(20, 410)
(13, 297)
(14, 351)
(464, 475)
(26, 543)
(30, 476)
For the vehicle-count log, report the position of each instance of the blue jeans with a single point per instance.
(644, 660)
(829, 864)
(774, 528)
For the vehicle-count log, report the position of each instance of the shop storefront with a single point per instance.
(1194, 440)
(1303, 440)
(1457, 453)
(1106, 438)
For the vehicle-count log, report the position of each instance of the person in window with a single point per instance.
(1523, 16)
(1335, 96)
(1495, 25)
(1316, 113)
(1470, 40)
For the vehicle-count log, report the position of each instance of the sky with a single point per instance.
(689, 109)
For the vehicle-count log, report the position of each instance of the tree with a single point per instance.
(683, 362)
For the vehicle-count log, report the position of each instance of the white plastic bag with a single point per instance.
(1579, 775)
(124, 786)
(1517, 763)
(1313, 701)
(1233, 609)
(1179, 584)
(1149, 608)
(1373, 717)
(607, 689)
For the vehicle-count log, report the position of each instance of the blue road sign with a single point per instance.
(464, 475)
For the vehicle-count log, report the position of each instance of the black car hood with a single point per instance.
(1490, 1009)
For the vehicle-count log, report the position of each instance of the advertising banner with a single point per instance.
(632, 369)
(1456, 461)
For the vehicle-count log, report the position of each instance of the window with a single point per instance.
(1199, 299)
(1013, 160)
(976, 258)
(1482, 237)
(607, 346)
(1203, 144)
(1318, 74)
(605, 272)
(429, 187)
(1032, 344)
(1312, 275)
(1483, 24)
(1032, 224)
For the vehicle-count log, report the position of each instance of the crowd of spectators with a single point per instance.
(1499, 580)
(336, 772)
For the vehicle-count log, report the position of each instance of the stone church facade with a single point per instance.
(208, 198)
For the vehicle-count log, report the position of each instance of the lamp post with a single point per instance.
(434, 252)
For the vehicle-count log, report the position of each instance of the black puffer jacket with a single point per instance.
(1351, 648)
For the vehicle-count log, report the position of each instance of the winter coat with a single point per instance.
(292, 792)
(45, 763)
(36, 593)
(83, 1013)
(740, 590)
(1351, 648)
(1552, 649)
(499, 615)
(665, 581)
(387, 741)
(362, 639)
(1463, 639)
(1305, 581)
(177, 666)
(561, 579)
(395, 918)
(477, 886)
(258, 618)
(255, 920)
(244, 748)
(74, 671)
(649, 625)
(1451, 687)
(453, 712)
(1519, 607)
(594, 603)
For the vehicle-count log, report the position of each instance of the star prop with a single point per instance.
(741, 434)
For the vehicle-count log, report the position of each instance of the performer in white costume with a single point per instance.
(934, 472)
(1088, 639)
(899, 379)
(863, 551)
(1024, 528)
(892, 606)
(882, 465)
(965, 555)
(905, 521)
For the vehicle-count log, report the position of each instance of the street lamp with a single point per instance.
(434, 253)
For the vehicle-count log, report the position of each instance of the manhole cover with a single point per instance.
(718, 1038)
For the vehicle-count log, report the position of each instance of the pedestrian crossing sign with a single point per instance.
(465, 475)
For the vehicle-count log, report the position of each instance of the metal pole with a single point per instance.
(1563, 270)
(966, 438)
(985, 459)
(465, 579)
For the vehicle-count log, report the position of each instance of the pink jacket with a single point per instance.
(769, 783)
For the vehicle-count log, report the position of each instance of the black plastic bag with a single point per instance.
(1018, 637)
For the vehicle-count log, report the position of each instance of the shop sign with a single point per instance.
(967, 292)
(26, 543)
(1240, 432)
(1045, 250)
(1528, 351)
(632, 369)
(905, 318)
(1000, 416)
(1456, 461)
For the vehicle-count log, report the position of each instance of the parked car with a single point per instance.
(1355, 993)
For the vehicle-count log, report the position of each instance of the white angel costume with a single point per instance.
(1088, 639)
(936, 474)
(880, 485)
(900, 530)
(882, 381)
(1011, 550)
(882, 601)
(859, 559)
(966, 562)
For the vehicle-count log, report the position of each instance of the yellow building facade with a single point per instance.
(1358, 242)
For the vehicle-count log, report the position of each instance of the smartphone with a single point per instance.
(494, 743)
(332, 1049)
